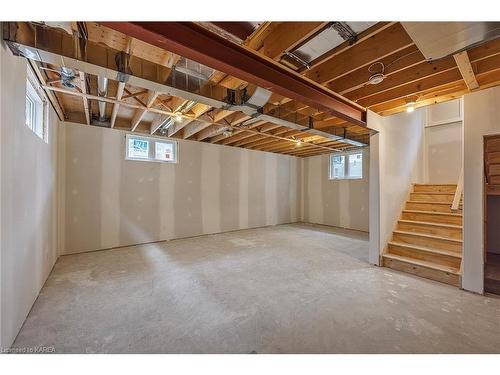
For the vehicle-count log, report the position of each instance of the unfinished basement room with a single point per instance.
(238, 187)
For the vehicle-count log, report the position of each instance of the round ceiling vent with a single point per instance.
(376, 79)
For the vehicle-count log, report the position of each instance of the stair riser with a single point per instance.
(427, 273)
(448, 198)
(415, 253)
(433, 243)
(431, 207)
(441, 219)
(455, 233)
(434, 188)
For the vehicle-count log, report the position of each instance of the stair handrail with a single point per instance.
(459, 191)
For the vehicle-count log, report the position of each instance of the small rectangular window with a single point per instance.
(346, 166)
(138, 148)
(338, 166)
(150, 149)
(36, 110)
(355, 166)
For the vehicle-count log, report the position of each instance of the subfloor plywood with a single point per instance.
(292, 288)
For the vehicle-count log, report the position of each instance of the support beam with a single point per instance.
(116, 106)
(196, 43)
(139, 113)
(465, 67)
(83, 87)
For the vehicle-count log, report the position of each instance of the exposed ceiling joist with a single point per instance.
(196, 43)
(116, 106)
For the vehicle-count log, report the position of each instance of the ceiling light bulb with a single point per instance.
(410, 109)
(298, 142)
(178, 117)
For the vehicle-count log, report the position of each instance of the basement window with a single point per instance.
(150, 149)
(346, 166)
(36, 107)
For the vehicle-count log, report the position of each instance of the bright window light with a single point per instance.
(150, 149)
(346, 166)
(36, 107)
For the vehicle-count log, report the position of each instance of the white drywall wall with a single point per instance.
(481, 117)
(340, 203)
(374, 122)
(443, 143)
(110, 201)
(28, 239)
(398, 149)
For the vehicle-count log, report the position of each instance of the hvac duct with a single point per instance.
(102, 90)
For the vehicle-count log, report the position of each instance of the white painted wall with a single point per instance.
(398, 148)
(340, 203)
(443, 142)
(28, 202)
(481, 117)
(110, 201)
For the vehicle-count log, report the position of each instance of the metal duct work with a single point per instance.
(440, 39)
(102, 90)
(56, 47)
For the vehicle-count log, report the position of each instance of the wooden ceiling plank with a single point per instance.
(378, 46)
(368, 33)
(288, 35)
(394, 63)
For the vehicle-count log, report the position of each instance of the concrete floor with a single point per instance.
(286, 289)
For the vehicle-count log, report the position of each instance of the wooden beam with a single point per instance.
(83, 87)
(52, 98)
(465, 67)
(116, 106)
(139, 113)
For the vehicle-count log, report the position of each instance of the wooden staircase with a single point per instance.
(427, 241)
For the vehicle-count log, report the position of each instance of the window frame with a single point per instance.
(152, 142)
(39, 109)
(347, 175)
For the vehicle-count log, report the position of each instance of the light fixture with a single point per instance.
(177, 116)
(298, 142)
(227, 132)
(410, 104)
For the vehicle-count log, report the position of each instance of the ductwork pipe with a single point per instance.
(102, 90)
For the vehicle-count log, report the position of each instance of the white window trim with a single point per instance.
(40, 100)
(346, 166)
(152, 149)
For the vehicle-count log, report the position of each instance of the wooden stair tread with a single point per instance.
(431, 202)
(433, 213)
(426, 235)
(453, 254)
(452, 226)
(423, 263)
(434, 184)
(432, 193)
